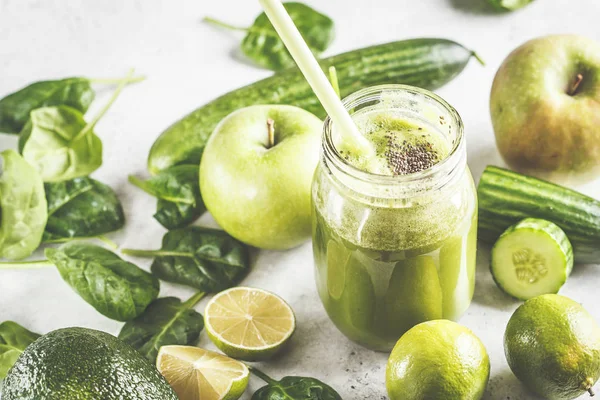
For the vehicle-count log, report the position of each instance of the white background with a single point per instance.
(189, 63)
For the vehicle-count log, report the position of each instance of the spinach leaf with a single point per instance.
(293, 388)
(206, 259)
(81, 207)
(116, 288)
(15, 108)
(178, 192)
(263, 45)
(22, 206)
(59, 144)
(166, 321)
(13, 340)
(74, 92)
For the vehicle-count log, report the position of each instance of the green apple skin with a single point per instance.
(542, 126)
(261, 195)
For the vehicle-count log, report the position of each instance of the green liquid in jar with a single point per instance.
(383, 268)
(394, 138)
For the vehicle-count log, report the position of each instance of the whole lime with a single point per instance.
(552, 345)
(438, 360)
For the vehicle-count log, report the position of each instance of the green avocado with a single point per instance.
(83, 364)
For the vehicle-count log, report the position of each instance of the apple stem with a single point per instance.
(271, 132)
(591, 392)
(576, 84)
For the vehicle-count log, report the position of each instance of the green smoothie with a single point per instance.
(402, 146)
(383, 264)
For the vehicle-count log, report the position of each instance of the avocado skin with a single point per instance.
(83, 364)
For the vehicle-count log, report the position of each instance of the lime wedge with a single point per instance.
(198, 374)
(249, 324)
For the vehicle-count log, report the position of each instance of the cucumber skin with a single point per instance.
(547, 227)
(506, 197)
(427, 63)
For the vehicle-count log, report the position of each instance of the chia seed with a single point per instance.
(407, 158)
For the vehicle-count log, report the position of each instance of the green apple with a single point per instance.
(256, 174)
(545, 106)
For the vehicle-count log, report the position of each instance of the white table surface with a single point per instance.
(189, 63)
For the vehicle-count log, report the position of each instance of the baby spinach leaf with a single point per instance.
(22, 207)
(263, 45)
(15, 108)
(178, 192)
(81, 207)
(74, 92)
(173, 215)
(60, 144)
(59, 194)
(116, 288)
(206, 259)
(293, 388)
(166, 321)
(13, 340)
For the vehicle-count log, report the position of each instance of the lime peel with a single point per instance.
(559, 327)
(248, 323)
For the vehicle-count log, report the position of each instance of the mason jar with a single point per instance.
(392, 251)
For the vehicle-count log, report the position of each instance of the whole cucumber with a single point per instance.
(506, 197)
(427, 63)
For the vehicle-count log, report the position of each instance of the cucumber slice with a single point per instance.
(531, 258)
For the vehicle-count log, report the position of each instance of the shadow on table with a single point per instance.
(584, 269)
(480, 158)
(505, 385)
(474, 6)
(487, 292)
(319, 350)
